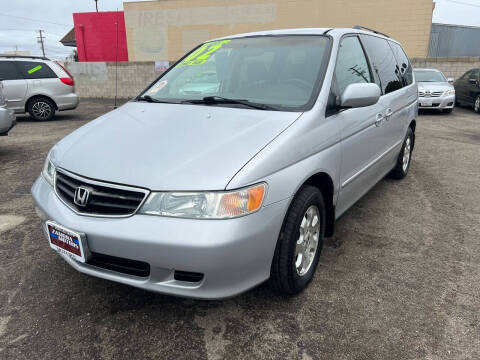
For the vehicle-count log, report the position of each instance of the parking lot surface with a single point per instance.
(400, 280)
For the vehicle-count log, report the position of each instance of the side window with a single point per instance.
(352, 66)
(403, 63)
(475, 74)
(466, 75)
(384, 63)
(35, 70)
(8, 71)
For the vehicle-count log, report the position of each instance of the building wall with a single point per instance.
(97, 79)
(96, 36)
(166, 29)
(454, 40)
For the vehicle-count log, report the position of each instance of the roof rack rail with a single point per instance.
(360, 27)
(24, 57)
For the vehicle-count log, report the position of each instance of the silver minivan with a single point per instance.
(207, 188)
(37, 85)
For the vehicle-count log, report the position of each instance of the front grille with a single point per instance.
(104, 200)
(125, 266)
(434, 94)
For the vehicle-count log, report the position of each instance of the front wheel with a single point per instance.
(476, 104)
(403, 161)
(41, 109)
(447, 111)
(300, 242)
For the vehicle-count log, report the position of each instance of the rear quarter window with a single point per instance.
(35, 70)
(384, 63)
(403, 63)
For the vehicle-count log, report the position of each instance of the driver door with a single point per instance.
(359, 133)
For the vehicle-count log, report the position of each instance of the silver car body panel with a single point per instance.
(192, 147)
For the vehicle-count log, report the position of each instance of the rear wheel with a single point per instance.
(41, 109)
(476, 104)
(300, 242)
(403, 161)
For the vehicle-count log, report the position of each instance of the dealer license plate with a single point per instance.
(67, 242)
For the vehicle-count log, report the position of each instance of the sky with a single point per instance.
(20, 19)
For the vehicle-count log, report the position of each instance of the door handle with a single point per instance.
(388, 113)
(379, 119)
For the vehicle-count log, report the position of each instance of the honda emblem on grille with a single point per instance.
(82, 194)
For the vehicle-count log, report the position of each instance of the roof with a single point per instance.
(69, 38)
(22, 57)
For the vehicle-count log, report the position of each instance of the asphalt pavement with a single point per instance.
(400, 280)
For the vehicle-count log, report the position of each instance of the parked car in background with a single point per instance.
(7, 116)
(467, 88)
(435, 91)
(37, 85)
(209, 192)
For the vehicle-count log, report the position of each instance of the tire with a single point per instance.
(289, 275)
(41, 109)
(447, 111)
(403, 162)
(476, 104)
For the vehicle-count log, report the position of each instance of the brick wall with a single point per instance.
(451, 67)
(97, 79)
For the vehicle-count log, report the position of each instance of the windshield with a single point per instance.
(280, 71)
(429, 76)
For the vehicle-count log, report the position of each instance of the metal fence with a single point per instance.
(454, 40)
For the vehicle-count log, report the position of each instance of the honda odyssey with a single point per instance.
(207, 188)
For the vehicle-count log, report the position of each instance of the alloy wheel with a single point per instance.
(477, 104)
(41, 109)
(406, 154)
(307, 243)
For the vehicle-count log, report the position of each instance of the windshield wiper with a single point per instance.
(210, 100)
(149, 99)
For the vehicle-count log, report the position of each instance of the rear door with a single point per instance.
(394, 98)
(40, 78)
(361, 143)
(14, 85)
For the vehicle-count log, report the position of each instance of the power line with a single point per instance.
(36, 20)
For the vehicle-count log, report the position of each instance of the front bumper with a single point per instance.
(7, 120)
(443, 102)
(234, 255)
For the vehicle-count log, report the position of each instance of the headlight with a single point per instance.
(205, 205)
(48, 171)
(449, 92)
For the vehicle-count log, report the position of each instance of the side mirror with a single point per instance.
(360, 95)
(473, 81)
(451, 80)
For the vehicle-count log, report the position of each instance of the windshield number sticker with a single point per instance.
(36, 68)
(203, 53)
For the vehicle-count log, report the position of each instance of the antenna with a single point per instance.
(116, 61)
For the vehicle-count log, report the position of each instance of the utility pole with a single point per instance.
(96, 4)
(40, 41)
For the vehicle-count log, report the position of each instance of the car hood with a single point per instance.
(169, 146)
(434, 86)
